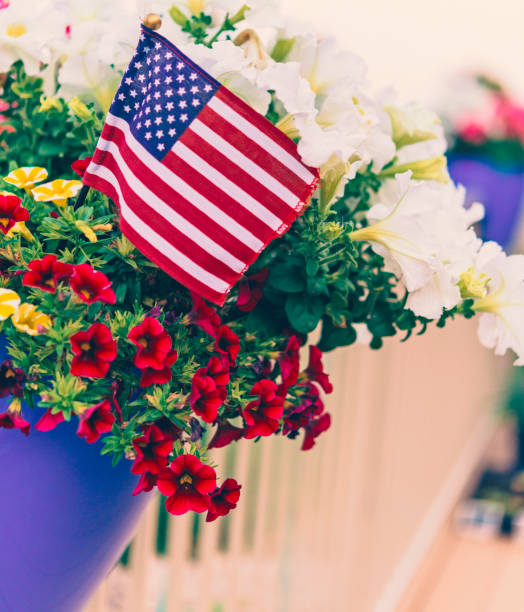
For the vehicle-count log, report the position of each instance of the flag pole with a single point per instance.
(153, 22)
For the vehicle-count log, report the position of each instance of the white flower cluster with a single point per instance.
(319, 95)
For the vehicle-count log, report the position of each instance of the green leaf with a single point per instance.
(312, 267)
(333, 336)
(304, 312)
(287, 277)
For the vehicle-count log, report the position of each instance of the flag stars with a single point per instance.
(138, 125)
(121, 96)
(128, 80)
(148, 110)
(138, 65)
(180, 78)
(156, 69)
(156, 95)
(158, 45)
(170, 106)
(168, 67)
(156, 57)
(133, 93)
(148, 136)
(169, 92)
(194, 89)
(180, 65)
(169, 80)
(141, 77)
(183, 118)
(158, 120)
(195, 102)
(156, 82)
(137, 105)
(181, 91)
(127, 108)
(172, 132)
(158, 108)
(193, 76)
(159, 133)
(170, 118)
(148, 61)
(207, 88)
(182, 104)
(147, 123)
(160, 146)
(168, 55)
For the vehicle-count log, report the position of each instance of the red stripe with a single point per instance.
(185, 207)
(263, 124)
(171, 234)
(151, 252)
(251, 149)
(231, 171)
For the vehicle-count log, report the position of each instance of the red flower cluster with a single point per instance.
(224, 499)
(289, 362)
(251, 290)
(152, 449)
(315, 369)
(227, 343)
(154, 355)
(11, 212)
(309, 416)
(45, 273)
(11, 379)
(49, 421)
(11, 420)
(204, 316)
(94, 351)
(95, 421)
(187, 484)
(208, 390)
(91, 286)
(80, 165)
(262, 415)
(225, 434)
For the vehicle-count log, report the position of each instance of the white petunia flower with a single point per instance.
(501, 322)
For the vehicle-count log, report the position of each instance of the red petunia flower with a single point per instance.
(218, 370)
(204, 316)
(49, 421)
(315, 369)
(95, 421)
(206, 396)
(251, 290)
(11, 379)
(314, 429)
(224, 500)
(91, 286)
(289, 362)
(153, 344)
(94, 351)
(227, 343)
(225, 434)
(145, 484)
(262, 415)
(162, 376)
(152, 450)
(187, 483)
(168, 428)
(80, 165)
(11, 212)
(11, 420)
(46, 272)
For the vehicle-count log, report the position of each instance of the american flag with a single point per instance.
(202, 181)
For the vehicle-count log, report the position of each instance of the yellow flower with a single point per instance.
(57, 191)
(433, 169)
(86, 230)
(48, 103)
(15, 30)
(25, 177)
(472, 284)
(21, 228)
(9, 302)
(79, 109)
(27, 319)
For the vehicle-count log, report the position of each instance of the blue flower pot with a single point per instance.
(66, 516)
(499, 187)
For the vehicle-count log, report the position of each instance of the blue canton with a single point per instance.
(161, 93)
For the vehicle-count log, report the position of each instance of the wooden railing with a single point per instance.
(342, 526)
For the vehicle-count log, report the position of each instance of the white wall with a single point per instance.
(415, 43)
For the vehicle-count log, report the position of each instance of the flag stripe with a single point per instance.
(260, 130)
(222, 165)
(134, 200)
(190, 194)
(241, 160)
(253, 150)
(175, 262)
(173, 200)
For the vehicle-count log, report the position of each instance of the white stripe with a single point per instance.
(162, 245)
(232, 190)
(229, 224)
(258, 136)
(168, 213)
(244, 162)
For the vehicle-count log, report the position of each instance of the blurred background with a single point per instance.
(413, 501)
